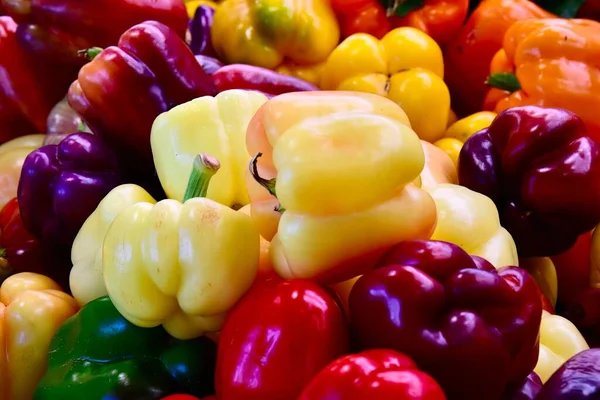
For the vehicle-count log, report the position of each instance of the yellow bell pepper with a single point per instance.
(543, 271)
(559, 341)
(32, 308)
(406, 66)
(458, 133)
(87, 278)
(308, 73)
(471, 221)
(268, 32)
(438, 167)
(182, 265)
(213, 125)
(345, 163)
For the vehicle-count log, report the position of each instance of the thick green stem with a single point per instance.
(203, 169)
(90, 53)
(268, 184)
(504, 81)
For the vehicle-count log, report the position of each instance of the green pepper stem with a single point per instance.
(268, 184)
(90, 53)
(504, 81)
(203, 169)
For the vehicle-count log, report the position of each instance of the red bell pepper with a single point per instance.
(476, 331)
(276, 339)
(373, 374)
(366, 16)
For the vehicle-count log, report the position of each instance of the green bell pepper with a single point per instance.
(98, 355)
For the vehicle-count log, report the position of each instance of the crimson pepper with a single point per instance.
(366, 16)
(373, 374)
(542, 169)
(125, 87)
(28, 88)
(473, 328)
(577, 379)
(276, 339)
(61, 185)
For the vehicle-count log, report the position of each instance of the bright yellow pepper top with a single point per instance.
(213, 125)
(267, 32)
(32, 308)
(406, 65)
(182, 265)
(345, 163)
(471, 221)
(559, 341)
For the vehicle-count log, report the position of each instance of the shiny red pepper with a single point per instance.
(366, 16)
(474, 329)
(373, 374)
(276, 339)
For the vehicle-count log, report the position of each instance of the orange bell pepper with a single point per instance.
(468, 55)
(32, 308)
(553, 63)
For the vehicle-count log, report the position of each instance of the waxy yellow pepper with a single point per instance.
(438, 167)
(471, 221)
(32, 308)
(406, 66)
(542, 269)
(345, 164)
(213, 125)
(559, 341)
(182, 265)
(268, 33)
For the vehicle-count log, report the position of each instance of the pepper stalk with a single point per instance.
(203, 169)
(268, 184)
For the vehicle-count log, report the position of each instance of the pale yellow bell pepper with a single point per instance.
(32, 308)
(438, 167)
(559, 341)
(182, 265)
(214, 125)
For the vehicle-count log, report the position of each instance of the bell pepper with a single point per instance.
(192, 5)
(171, 263)
(414, 81)
(32, 308)
(542, 169)
(361, 16)
(265, 269)
(276, 339)
(553, 63)
(375, 374)
(559, 341)
(542, 269)
(215, 125)
(343, 207)
(12, 156)
(590, 9)
(573, 268)
(269, 33)
(308, 73)
(200, 39)
(210, 65)
(472, 328)
(52, 28)
(578, 378)
(469, 54)
(155, 64)
(61, 185)
(458, 133)
(97, 355)
(62, 121)
(28, 88)
(438, 167)
(528, 390)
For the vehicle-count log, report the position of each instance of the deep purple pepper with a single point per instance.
(528, 390)
(61, 185)
(577, 379)
(210, 65)
(199, 28)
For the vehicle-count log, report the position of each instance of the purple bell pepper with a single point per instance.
(199, 29)
(577, 379)
(61, 185)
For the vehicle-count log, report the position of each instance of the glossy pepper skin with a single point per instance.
(170, 263)
(199, 27)
(32, 308)
(577, 379)
(97, 354)
(555, 63)
(255, 349)
(61, 185)
(542, 169)
(361, 16)
(270, 33)
(468, 56)
(376, 374)
(474, 329)
(406, 66)
(155, 64)
(12, 156)
(28, 88)
(343, 208)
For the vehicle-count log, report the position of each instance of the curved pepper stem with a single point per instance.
(90, 53)
(504, 81)
(203, 169)
(268, 184)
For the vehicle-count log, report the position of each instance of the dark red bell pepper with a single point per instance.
(542, 169)
(476, 331)
(200, 39)
(577, 379)
(373, 374)
(123, 89)
(276, 339)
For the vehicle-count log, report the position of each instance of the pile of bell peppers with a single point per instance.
(312, 200)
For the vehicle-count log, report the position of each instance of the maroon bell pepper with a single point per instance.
(123, 89)
(374, 374)
(577, 379)
(474, 329)
(542, 169)
(61, 185)
(199, 28)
